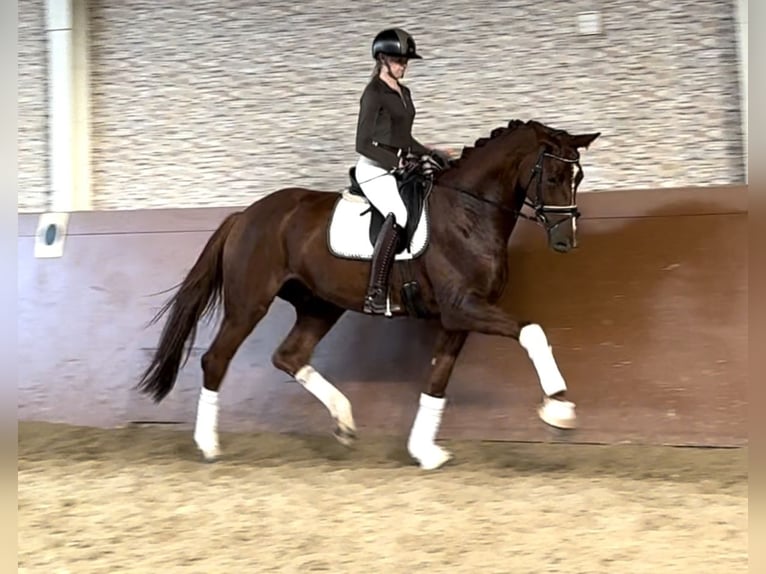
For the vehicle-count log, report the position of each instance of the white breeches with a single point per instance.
(381, 189)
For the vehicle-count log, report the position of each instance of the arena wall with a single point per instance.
(648, 320)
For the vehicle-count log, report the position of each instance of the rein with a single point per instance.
(541, 210)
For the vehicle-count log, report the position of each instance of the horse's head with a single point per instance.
(526, 163)
(549, 175)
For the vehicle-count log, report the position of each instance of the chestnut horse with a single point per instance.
(281, 246)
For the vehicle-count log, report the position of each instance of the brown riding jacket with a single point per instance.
(386, 117)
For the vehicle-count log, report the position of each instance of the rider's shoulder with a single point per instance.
(374, 84)
(371, 89)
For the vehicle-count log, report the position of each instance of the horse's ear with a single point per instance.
(584, 140)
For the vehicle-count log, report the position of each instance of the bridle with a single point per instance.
(541, 209)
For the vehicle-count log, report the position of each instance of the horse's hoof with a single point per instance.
(210, 453)
(558, 414)
(344, 436)
(431, 457)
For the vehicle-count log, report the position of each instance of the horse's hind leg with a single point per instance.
(314, 318)
(241, 315)
(421, 445)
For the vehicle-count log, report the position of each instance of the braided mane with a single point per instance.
(494, 134)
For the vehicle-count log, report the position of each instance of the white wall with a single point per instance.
(214, 103)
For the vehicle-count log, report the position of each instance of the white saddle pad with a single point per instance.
(348, 235)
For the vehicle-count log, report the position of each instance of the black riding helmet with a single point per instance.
(394, 42)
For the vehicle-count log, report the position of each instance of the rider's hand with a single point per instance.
(429, 164)
(407, 159)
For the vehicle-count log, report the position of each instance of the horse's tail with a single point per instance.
(197, 296)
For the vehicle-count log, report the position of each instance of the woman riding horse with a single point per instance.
(386, 116)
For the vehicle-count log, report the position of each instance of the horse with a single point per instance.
(312, 249)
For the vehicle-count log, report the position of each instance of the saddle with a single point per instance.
(412, 190)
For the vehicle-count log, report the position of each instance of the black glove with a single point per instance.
(429, 163)
(408, 160)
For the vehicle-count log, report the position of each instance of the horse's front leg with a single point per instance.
(421, 445)
(476, 314)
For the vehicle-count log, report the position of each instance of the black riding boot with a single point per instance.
(380, 268)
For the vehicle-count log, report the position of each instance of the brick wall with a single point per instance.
(214, 103)
(33, 108)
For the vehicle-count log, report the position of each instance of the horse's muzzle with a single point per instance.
(562, 245)
(562, 238)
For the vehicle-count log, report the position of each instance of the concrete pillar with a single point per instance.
(68, 95)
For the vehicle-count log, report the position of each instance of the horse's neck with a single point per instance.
(485, 206)
(472, 236)
(477, 217)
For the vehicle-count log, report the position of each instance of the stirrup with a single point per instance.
(372, 306)
(376, 302)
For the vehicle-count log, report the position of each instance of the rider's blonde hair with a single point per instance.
(378, 66)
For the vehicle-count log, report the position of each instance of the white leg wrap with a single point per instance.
(421, 445)
(557, 413)
(335, 401)
(206, 428)
(533, 339)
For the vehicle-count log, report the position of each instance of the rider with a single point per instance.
(386, 115)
